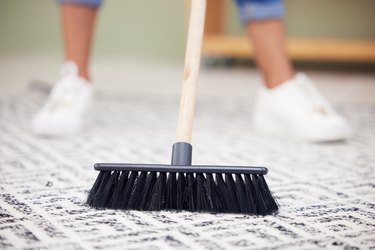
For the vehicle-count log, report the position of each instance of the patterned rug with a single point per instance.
(326, 191)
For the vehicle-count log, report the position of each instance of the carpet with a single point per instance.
(325, 191)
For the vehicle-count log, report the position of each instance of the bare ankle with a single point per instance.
(274, 80)
(85, 75)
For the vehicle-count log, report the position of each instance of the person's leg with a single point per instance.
(289, 105)
(264, 25)
(70, 99)
(77, 26)
(269, 42)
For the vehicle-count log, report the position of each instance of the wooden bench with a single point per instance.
(217, 43)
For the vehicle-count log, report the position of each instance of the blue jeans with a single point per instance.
(252, 10)
(249, 10)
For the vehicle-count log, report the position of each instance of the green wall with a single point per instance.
(156, 29)
(142, 28)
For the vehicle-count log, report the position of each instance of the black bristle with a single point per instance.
(268, 198)
(157, 194)
(231, 191)
(95, 188)
(171, 192)
(180, 191)
(202, 198)
(250, 194)
(190, 193)
(213, 197)
(128, 189)
(243, 203)
(222, 191)
(108, 190)
(138, 189)
(261, 205)
(147, 191)
(119, 191)
(97, 198)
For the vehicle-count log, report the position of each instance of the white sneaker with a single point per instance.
(296, 109)
(68, 103)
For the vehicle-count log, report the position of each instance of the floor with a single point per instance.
(127, 76)
(325, 191)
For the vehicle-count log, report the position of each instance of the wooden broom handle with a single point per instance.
(191, 70)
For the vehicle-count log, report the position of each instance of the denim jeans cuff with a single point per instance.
(93, 3)
(258, 11)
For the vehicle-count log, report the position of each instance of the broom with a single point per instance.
(182, 186)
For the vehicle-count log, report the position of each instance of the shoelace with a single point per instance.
(307, 95)
(64, 95)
